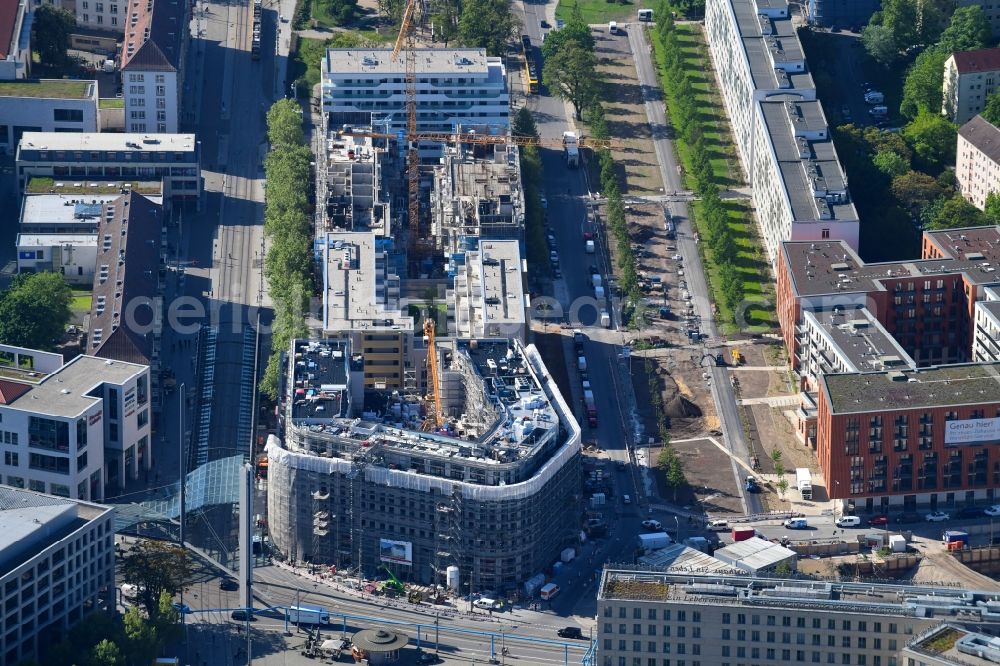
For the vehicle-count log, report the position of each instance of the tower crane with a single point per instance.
(435, 418)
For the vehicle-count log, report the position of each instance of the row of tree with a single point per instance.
(531, 181)
(288, 228)
(684, 115)
(668, 461)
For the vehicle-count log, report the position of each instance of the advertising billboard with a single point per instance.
(400, 552)
(971, 431)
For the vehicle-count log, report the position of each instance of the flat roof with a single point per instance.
(319, 378)
(860, 339)
(77, 187)
(755, 554)
(503, 291)
(107, 141)
(84, 209)
(52, 240)
(64, 392)
(924, 388)
(49, 88)
(958, 645)
(428, 61)
(678, 558)
(355, 296)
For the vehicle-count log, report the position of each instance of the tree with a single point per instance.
(900, 17)
(779, 467)
(444, 20)
(50, 31)
(284, 124)
(168, 619)
(663, 459)
(487, 24)
(524, 123)
(783, 569)
(890, 163)
(880, 44)
(576, 31)
(968, 30)
(991, 112)
(782, 486)
(156, 567)
(923, 84)
(932, 138)
(955, 212)
(915, 190)
(142, 643)
(106, 653)
(675, 475)
(570, 74)
(34, 310)
(992, 209)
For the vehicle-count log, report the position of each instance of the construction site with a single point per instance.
(460, 487)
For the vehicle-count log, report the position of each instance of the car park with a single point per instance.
(937, 517)
(876, 521)
(570, 632)
(652, 525)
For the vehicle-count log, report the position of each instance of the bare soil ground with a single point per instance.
(626, 115)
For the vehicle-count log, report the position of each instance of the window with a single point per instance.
(825, 233)
(48, 434)
(113, 404)
(161, 91)
(160, 78)
(16, 481)
(48, 463)
(143, 418)
(10, 458)
(67, 115)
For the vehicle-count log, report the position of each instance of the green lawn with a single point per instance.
(751, 259)
(112, 103)
(599, 11)
(304, 65)
(80, 304)
(55, 88)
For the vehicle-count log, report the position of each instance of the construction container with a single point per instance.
(897, 543)
(956, 545)
(567, 555)
(597, 499)
(951, 536)
(743, 533)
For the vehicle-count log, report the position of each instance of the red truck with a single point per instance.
(591, 406)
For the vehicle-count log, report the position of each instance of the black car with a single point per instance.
(242, 616)
(570, 632)
(909, 517)
(229, 585)
(751, 485)
(970, 512)
(429, 658)
(544, 24)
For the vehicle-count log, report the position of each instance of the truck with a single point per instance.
(951, 536)
(581, 363)
(589, 246)
(803, 481)
(605, 319)
(654, 541)
(308, 615)
(591, 406)
(571, 150)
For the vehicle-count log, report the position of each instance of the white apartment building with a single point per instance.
(977, 160)
(152, 64)
(48, 105)
(799, 188)
(454, 87)
(986, 327)
(174, 159)
(99, 14)
(57, 565)
(488, 298)
(15, 40)
(970, 77)
(72, 429)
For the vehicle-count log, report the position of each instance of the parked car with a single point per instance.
(993, 510)
(545, 24)
(848, 521)
(970, 512)
(937, 517)
(796, 524)
(879, 520)
(570, 632)
(908, 517)
(626, 499)
(751, 485)
(229, 585)
(242, 616)
(652, 525)
(718, 525)
(430, 658)
(545, 202)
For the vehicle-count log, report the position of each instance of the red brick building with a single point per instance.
(883, 352)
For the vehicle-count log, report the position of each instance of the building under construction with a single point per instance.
(483, 494)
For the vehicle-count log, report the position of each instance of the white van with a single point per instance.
(548, 591)
(718, 525)
(485, 603)
(645, 14)
(613, 27)
(880, 110)
(849, 521)
(796, 524)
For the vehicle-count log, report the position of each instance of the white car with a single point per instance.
(652, 525)
(545, 202)
(678, 257)
(993, 510)
(937, 517)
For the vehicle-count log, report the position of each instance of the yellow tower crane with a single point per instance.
(435, 418)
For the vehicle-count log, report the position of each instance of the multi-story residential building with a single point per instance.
(986, 332)
(977, 161)
(970, 77)
(88, 157)
(990, 9)
(476, 196)
(102, 15)
(361, 302)
(488, 297)
(488, 492)
(49, 105)
(152, 64)
(349, 185)
(711, 619)
(15, 40)
(72, 429)
(57, 564)
(799, 188)
(454, 87)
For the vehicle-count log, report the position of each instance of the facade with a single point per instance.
(799, 188)
(351, 191)
(488, 296)
(15, 40)
(489, 491)
(87, 157)
(708, 619)
(970, 77)
(873, 345)
(454, 87)
(977, 161)
(49, 105)
(851, 13)
(57, 561)
(90, 417)
(476, 196)
(152, 65)
(362, 302)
